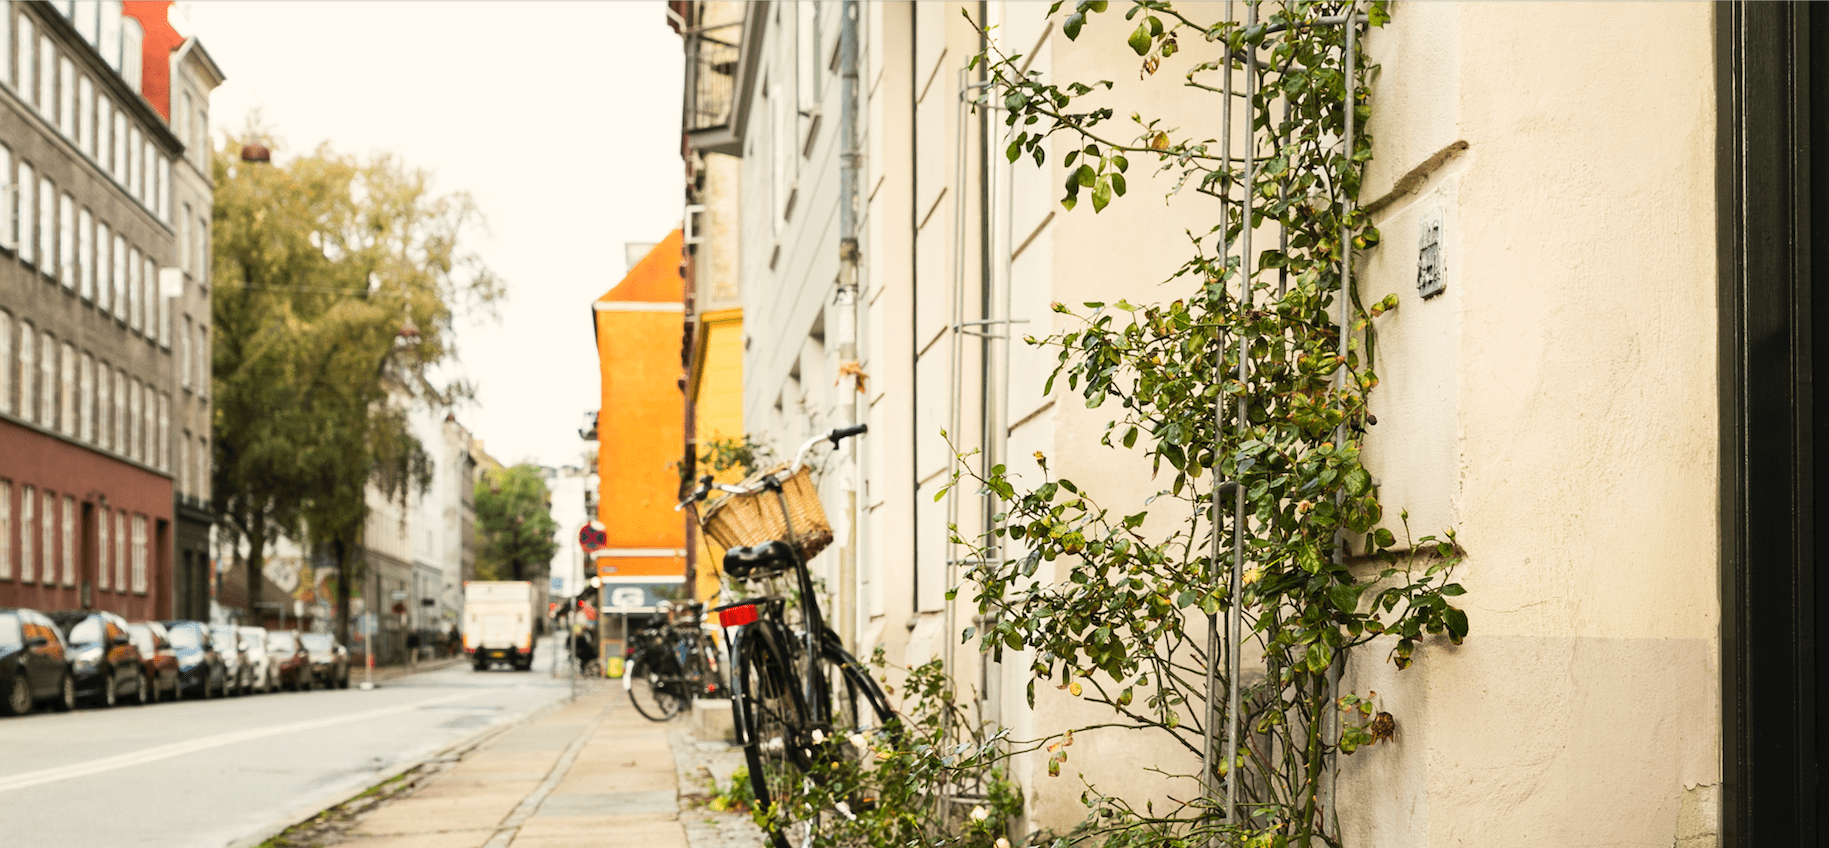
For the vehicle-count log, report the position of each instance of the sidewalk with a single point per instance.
(587, 772)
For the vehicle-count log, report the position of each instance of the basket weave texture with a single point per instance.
(753, 518)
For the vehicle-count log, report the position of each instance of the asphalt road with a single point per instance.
(214, 773)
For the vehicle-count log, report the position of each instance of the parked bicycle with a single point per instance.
(672, 663)
(797, 694)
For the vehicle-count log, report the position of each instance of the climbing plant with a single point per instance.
(1248, 400)
(1250, 379)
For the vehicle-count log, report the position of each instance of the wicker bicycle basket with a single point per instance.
(754, 518)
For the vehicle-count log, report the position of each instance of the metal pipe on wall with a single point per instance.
(850, 302)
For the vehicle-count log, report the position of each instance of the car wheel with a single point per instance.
(19, 695)
(343, 683)
(109, 696)
(66, 695)
(144, 687)
(304, 681)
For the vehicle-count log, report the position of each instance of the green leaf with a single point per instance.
(1117, 183)
(1086, 176)
(1358, 482)
(1139, 40)
(1345, 598)
(1071, 26)
(1456, 620)
(1383, 538)
(1101, 195)
(1014, 151)
(1453, 589)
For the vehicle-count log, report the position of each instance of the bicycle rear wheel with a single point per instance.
(650, 694)
(774, 734)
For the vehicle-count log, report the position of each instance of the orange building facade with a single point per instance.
(642, 420)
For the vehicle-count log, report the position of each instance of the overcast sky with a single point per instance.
(560, 119)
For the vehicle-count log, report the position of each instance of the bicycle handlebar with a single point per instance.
(834, 435)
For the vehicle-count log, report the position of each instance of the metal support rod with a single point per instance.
(1330, 724)
(1207, 775)
(1236, 619)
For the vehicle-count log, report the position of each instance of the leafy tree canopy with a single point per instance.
(514, 524)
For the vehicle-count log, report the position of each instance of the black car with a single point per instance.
(33, 667)
(329, 660)
(201, 672)
(103, 659)
(157, 654)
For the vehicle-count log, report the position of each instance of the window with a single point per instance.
(163, 202)
(203, 251)
(6, 47)
(7, 365)
(164, 446)
(184, 355)
(149, 425)
(203, 468)
(66, 98)
(104, 404)
(28, 375)
(136, 295)
(121, 415)
(104, 270)
(9, 216)
(69, 541)
(85, 252)
(139, 554)
(203, 361)
(86, 19)
(47, 219)
(104, 133)
(28, 527)
(24, 213)
(66, 391)
(85, 115)
(184, 239)
(136, 167)
(110, 40)
(102, 550)
(47, 77)
(28, 36)
(134, 441)
(66, 241)
(85, 413)
(122, 295)
(47, 381)
(120, 551)
(47, 538)
(120, 147)
(131, 36)
(184, 465)
(6, 526)
(202, 134)
(160, 306)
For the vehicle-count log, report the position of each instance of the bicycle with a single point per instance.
(798, 696)
(672, 664)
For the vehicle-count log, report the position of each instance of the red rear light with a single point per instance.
(733, 616)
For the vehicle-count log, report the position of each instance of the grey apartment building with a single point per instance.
(104, 312)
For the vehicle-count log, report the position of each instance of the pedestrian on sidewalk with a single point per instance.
(412, 648)
(456, 641)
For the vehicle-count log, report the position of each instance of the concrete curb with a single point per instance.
(347, 792)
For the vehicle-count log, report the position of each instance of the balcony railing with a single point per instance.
(711, 72)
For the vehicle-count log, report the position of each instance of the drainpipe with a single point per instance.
(850, 302)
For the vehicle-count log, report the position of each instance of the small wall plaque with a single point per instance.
(1430, 281)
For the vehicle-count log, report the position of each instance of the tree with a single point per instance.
(335, 282)
(514, 524)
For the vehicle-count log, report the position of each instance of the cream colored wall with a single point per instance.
(1556, 405)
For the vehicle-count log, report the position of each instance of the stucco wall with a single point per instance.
(1555, 405)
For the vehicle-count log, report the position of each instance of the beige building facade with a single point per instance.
(1589, 402)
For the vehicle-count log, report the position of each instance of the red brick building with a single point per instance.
(96, 359)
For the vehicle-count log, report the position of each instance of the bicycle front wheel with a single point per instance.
(774, 734)
(650, 694)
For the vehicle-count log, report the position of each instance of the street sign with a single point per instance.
(558, 586)
(592, 538)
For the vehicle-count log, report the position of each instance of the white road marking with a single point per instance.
(191, 746)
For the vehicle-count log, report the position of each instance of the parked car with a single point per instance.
(260, 664)
(329, 660)
(200, 669)
(103, 660)
(234, 659)
(33, 668)
(157, 656)
(291, 662)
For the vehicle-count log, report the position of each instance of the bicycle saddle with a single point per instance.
(745, 562)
